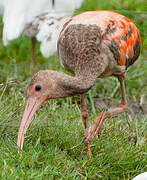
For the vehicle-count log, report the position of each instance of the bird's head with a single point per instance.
(46, 85)
(40, 86)
(39, 90)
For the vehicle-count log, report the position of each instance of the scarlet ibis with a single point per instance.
(92, 45)
(40, 19)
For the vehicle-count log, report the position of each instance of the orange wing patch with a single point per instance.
(126, 39)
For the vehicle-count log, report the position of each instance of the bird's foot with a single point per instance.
(87, 146)
(87, 143)
(88, 150)
(96, 128)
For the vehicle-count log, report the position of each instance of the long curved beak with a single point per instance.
(31, 107)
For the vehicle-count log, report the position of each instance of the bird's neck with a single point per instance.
(65, 85)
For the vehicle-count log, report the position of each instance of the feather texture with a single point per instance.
(117, 31)
(37, 19)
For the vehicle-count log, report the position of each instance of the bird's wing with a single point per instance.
(118, 32)
(78, 3)
(37, 7)
(18, 13)
(67, 6)
(49, 28)
(126, 36)
(13, 19)
(1, 7)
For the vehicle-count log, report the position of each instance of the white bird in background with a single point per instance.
(1, 7)
(142, 176)
(38, 19)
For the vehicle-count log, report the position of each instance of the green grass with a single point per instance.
(53, 147)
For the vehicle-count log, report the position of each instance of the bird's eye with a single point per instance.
(37, 87)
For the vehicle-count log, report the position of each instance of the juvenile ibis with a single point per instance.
(38, 19)
(92, 45)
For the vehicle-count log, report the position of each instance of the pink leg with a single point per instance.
(84, 114)
(111, 112)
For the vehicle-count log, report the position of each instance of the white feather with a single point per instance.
(1, 7)
(18, 13)
(37, 19)
(78, 3)
(142, 176)
(49, 29)
(48, 34)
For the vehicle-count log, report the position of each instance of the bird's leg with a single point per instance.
(111, 112)
(84, 114)
(33, 44)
